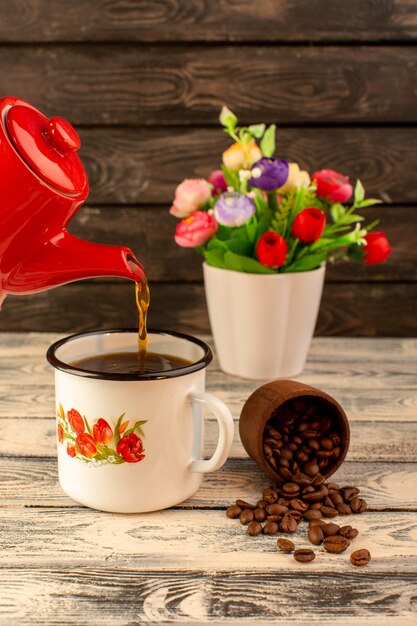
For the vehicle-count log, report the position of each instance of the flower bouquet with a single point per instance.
(264, 215)
(266, 229)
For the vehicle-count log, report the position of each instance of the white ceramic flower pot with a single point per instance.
(262, 324)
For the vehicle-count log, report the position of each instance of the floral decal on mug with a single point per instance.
(100, 443)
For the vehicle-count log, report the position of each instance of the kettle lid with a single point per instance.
(48, 146)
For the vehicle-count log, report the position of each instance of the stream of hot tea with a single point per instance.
(143, 297)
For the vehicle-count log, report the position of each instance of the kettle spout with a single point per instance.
(66, 258)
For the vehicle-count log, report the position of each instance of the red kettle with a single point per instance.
(42, 185)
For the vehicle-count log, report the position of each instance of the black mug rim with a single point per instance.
(85, 373)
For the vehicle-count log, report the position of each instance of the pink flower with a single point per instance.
(195, 230)
(189, 196)
(218, 181)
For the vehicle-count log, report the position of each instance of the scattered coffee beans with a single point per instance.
(285, 545)
(360, 557)
(301, 440)
(304, 555)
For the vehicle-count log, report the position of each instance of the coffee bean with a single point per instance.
(336, 452)
(344, 509)
(349, 532)
(308, 489)
(288, 525)
(297, 515)
(358, 505)
(254, 529)
(316, 506)
(312, 514)
(273, 432)
(314, 444)
(297, 440)
(233, 511)
(360, 557)
(267, 451)
(261, 504)
(246, 517)
(326, 443)
(245, 505)
(298, 505)
(336, 544)
(285, 473)
(330, 530)
(302, 457)
(286, 454)
(285, 545)
(270, 528)
(328, 502)
(273, 518)
(311, 468)
(324, 454)
(318, 480)
(284, 463)
(283, 501)
(260, 515)
(276, 509)
(348, 493)
(315, 535)
(333, 486)
(269, 495)
(304, 555)
(316, 522)
(301, 479)
(328, 511)
(335, 497)
(290, 489)
(315, 496)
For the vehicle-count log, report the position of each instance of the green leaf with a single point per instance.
(359, 193)
(337, 211)
(136, 426)
(231, 178)
(257, 130)
(88, 425)
(369, 202)
(116, 434)
(215, 244)
(240, 263)
(268, 141)
(355, 253)
(372, 225)
(227, 118)
(307, 263)
(351, 218)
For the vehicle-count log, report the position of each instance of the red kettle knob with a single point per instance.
(62, 135)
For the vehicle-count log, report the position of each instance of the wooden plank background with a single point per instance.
(144, 82)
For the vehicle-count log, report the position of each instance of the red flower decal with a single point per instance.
(308, 225)
(60, 433)
(87, 445)
(76, 421)
(271, 249)
(130, 448)
(102, 432)
(71, 451)
(377, 248)
(332, 186)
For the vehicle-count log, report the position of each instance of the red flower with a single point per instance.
(130, 448)
(271, 249)
(308, 225)
(332, 186)
(60, 433)
(218, 181)
(76, 421)
(71, 451)
(377, 248)
(102, 432)
(87, 445)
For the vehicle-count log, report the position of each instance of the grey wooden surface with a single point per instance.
(61, 563)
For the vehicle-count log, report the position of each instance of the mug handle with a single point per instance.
(226, 429)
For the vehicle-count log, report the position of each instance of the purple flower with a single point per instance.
(233, 209)
(269, 173)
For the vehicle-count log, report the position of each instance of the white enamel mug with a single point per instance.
(131, 443)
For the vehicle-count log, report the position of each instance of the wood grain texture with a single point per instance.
(168, 85)
(149, 231)
(144, 165)
(354, 309)
(33, 482)
(203, 20)
(379, 440)
(83, 537)
(122, 595)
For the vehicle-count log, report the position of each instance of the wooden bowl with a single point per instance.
(260, 406)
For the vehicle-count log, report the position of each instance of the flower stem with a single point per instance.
(272, 201)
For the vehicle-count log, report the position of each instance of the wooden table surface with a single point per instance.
(65, 564)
